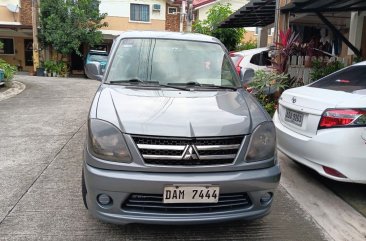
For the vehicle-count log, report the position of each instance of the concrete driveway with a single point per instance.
(42, 134)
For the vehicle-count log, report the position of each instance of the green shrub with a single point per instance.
(247, 45)
(9, 71)
(262, 83)
(322, 69)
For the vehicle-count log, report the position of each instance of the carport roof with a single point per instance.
(324, 6)
(257, 13)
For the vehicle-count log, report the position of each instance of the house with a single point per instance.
(16, 33)
(123, 15)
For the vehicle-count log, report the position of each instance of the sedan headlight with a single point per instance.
(262, 144)
(106, 142)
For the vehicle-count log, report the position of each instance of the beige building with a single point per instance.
(16, 33)
(126, 15)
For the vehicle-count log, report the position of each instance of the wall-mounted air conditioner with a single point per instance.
(156, 7)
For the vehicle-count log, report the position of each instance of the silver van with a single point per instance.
(173, 138)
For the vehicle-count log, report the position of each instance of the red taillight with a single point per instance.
(333, 172)
(237, 60)
(238, 69)
(342, 118)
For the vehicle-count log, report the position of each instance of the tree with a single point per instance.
(67, 24)
(230, 37)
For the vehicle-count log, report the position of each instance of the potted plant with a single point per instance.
(63, 68)
(40, 71)
(54, 69)
(48, 67)
(8, 71)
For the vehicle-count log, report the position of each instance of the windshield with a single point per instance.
(172, 62)
(98, 58)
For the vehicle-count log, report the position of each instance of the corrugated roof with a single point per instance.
(257, 13)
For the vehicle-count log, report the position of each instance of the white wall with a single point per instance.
(235, 5)
(6, 2)
(121, 8)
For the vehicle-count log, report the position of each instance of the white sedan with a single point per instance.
(323, 125)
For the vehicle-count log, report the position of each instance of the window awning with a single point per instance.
(324, 6)
(257, 13)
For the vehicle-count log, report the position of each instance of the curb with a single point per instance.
(16, 89)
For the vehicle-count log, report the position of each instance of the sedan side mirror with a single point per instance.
(246, 75)
(93, 71)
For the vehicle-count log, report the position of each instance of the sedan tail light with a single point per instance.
(237, 60)
(343, 118)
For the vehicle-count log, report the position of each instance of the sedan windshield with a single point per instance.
(172, 62)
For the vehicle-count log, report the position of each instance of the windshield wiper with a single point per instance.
(145, 83)
(132, 80)
(196, 84)
(220, 87)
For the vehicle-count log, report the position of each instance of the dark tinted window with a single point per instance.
(349, 80)
(261, 59)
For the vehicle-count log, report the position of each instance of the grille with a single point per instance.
(188, 151)
(153, 203)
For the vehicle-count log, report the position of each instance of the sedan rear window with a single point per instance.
(352, 79)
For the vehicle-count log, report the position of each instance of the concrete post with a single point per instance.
(35, 34)
(263, 37)
(189, 15)
(182, 15)
(356, 29)
(283, 19)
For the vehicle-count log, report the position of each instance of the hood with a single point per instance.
(168, 112)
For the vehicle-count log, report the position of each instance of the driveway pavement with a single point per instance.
(42, 133)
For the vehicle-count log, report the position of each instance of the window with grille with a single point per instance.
(140, 12)
(8, 46)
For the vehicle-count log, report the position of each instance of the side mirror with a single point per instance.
(93, 71)
(246, 75)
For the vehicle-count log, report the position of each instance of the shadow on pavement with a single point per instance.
(352, 193)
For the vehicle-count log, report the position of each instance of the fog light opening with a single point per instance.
(333, 172)
(266, 198)
(104, 199)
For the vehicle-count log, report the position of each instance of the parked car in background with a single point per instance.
(173, 138)
(100, 57)
(256, 59)
(323, 125)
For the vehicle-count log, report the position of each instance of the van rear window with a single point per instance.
(350, 80)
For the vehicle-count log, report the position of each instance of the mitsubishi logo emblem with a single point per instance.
(191, 153)
(294, 99)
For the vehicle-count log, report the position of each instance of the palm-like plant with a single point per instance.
(286, 47)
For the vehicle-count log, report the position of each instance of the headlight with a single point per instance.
(106, 142)
(262, 144)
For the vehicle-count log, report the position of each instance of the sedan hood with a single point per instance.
(168, 112)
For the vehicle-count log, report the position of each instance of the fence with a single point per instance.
(299, 66)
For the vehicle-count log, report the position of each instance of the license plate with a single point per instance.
(191, 194)
(294, 117)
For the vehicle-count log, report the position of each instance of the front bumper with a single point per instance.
(119, 185)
